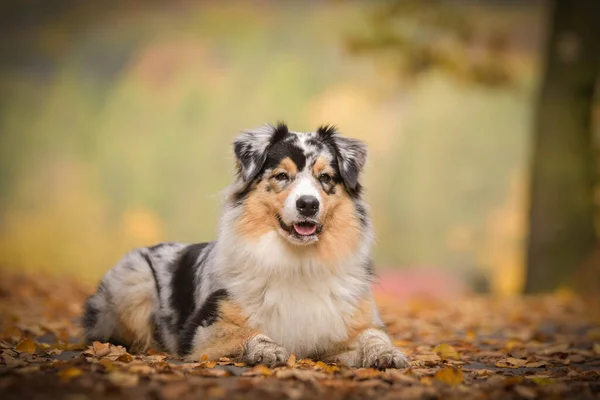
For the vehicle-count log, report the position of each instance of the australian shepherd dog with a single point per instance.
(290, 271)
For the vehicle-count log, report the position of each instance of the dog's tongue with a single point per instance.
(305, 230)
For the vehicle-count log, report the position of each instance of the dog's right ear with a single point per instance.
(252, 146)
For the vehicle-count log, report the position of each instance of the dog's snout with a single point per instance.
(307, 205)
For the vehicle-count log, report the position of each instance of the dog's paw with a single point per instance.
(382, 357)
(262, 350)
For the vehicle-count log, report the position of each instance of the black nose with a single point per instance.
(307, 205)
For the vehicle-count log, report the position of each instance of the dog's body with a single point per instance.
(290, 271)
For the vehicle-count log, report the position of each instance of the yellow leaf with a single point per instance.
(26, 346)
(126, 358)
(259, 370)
(67, 374)
(446, 352)
(320, 365)
(291, 361)
(204, 357)
(107, 364)
(541, 379)
(450, 376)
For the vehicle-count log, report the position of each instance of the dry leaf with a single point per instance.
(446, 352)
(126, 358)
(525, 391)
(449, 375)
(107, 364)
(536, 364)
(259, 370)
(291, 360)
(26, 346)
(123, 379)
(67, 374)
(597, 349)
(300, 374)
(100, 349)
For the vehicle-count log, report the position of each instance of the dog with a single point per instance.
(290, 271)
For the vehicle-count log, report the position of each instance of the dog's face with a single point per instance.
(303, 185)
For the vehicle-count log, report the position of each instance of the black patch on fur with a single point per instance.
(148, 259)
(370, 267)
(183, 283)
(204, 316)
(90, 315)
(362, 213)
(328, 134)
(157, 334)
(281, 150)
(279, 133)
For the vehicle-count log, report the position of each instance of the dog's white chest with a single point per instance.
(304, 318)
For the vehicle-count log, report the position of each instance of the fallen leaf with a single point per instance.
(107, 364)
(449, 375)
(259, 370)
(126, 358)
(26, 346)
(123, 379)
(300, 374)
(291, 360)
(536, 364)
(98, 349)
(67, 374)
(525, 391)
(540, 379)
(446, 352)
(597, 348)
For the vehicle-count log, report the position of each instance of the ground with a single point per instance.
(472, 346)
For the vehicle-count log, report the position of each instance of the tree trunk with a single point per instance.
(561, 221)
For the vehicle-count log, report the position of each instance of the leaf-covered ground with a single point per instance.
(474, 347)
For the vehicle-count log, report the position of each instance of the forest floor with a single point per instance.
(472, 347)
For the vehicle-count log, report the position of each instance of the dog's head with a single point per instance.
(303, 185)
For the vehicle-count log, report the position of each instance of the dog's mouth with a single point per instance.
(306, 230)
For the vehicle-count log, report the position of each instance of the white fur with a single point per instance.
(305, 185)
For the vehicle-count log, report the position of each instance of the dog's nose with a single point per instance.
(307, 205)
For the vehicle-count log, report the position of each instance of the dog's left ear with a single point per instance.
(252, 146)
(351, 155)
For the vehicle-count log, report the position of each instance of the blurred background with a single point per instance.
(117, 117)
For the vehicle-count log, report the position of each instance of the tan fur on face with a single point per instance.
(265, 202)
(229, 334)
(341, 226)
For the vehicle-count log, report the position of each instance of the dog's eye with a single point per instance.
(282, 176)
(325, 178)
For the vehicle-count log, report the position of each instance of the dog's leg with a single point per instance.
(228, 334)
(368, 346)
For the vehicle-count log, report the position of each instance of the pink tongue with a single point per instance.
(305, 230)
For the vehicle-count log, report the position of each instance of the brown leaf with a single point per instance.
(367, 373)
(66, 375)
(525, 391)
(300, 374)
(536, 364)
(259, 370)
(291, 360)
(126, 358)
(100, 349)
(123, 379)
(446, 352)
(26, 346)
(449, 375)
(107, 364)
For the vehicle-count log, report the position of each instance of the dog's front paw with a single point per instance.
(262, 350)
(383, 356)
